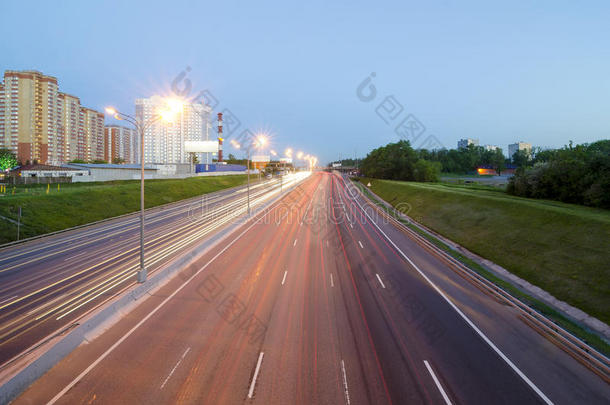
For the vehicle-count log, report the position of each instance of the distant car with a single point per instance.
(268, 176)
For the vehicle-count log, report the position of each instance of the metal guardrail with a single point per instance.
(578, 349)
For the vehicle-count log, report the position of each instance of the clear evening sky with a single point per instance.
(532, 71)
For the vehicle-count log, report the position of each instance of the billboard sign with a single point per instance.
(201, 146)
(261, 158)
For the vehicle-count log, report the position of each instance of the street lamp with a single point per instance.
(257, 143)
(288, 153)
(167, 115)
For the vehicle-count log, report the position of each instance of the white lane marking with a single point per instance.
(8, 299)
(326, 243)
(258, 367)
(379, 278)
(332, 284)
(464, 317)
(438, 384)
(360, 243)
(295, 242)
(345, 383)
(175, 367)
(350, 224)
(150, 314)
(284, 279)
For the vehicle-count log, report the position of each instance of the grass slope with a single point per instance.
(559, 247)
(82, 203)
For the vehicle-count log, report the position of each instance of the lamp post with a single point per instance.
(274, 153)
(288, 153)
(141, 127)
(257, 143)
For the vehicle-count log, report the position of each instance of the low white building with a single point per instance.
(48, 171)
(109, 172)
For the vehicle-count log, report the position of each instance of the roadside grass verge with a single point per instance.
(599, 217)
(82, 203)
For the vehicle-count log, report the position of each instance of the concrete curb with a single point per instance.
(576, 315)
(104, 317)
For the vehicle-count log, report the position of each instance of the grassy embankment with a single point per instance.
(559, 247)
(82, 203)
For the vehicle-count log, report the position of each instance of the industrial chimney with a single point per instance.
(220, 137)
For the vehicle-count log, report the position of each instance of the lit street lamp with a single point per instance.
(141, 126)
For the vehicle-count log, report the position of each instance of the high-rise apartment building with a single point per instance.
(93, 134)
(164, 142)
(120, 143)
(28, 121)
(464, 143)
(514, 147)
(70, 128)
(40, 123)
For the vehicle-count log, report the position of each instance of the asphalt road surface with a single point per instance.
(47, 284)
(316, 301)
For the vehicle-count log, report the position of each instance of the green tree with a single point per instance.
(395, 161)
(578, 174)
(8, 160)
(521, 158)
(498, 161)
(118, 161)
(426, 171)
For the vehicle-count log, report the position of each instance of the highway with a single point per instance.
(317, 300)
(47, 284)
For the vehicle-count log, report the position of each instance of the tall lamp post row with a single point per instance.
(258, 143)
(166, 115)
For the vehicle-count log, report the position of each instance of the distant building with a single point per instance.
(40, 123)
(514, 147)
(45, 173)
(120, 143)
(464, 143)
(491, 148)
(28, 115)
(164, 142)
(93, 134)
(70, 142)
(488, 170)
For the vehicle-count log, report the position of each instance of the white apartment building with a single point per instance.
(164, 142)
(464, 143)
(514, 147)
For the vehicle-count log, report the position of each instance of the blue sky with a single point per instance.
(497, 71)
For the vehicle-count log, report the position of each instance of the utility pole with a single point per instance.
(18, 222)
(248, 181)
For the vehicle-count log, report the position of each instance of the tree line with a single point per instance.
(574, 174)
(399, 161)
(578, 174)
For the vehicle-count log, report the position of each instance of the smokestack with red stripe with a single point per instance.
(220, 137)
